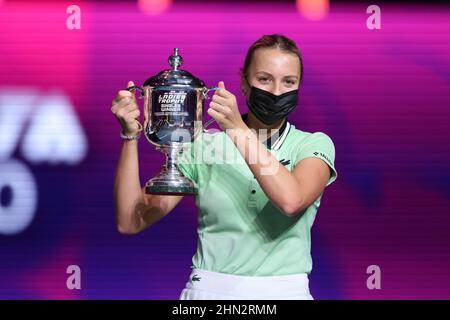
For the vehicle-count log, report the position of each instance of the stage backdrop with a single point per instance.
(381, 94)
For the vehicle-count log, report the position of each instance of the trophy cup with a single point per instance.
(173, 109)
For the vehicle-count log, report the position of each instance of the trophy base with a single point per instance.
(168, 190)
(170, 180)
(170, 184)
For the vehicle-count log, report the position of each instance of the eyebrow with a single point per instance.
(267, 73)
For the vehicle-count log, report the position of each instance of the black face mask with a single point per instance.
(269, 108)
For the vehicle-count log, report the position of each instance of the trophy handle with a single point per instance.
(207, 124)
(205, 96)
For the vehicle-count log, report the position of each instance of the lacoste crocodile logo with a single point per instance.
(195, 278)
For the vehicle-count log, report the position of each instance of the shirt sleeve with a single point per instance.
(319, 145)
(187, 164)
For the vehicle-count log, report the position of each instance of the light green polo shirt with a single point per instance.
(240, 231)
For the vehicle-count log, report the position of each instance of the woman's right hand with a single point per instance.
(126, 110)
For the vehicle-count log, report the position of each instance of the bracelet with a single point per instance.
(129, 138)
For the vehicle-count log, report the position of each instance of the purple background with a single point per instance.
(381, 95)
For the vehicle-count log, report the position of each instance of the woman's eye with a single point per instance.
(290, 82)
(263, 79)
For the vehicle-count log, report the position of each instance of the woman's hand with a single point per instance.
(126, 110)
(224, 109)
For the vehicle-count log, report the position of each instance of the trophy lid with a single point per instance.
(174, 76)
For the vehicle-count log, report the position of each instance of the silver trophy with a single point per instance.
(173, 108)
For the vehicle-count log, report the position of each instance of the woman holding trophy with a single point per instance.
(255, 214)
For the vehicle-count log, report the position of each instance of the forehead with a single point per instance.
(275, 61)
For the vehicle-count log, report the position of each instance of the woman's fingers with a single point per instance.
(222, 92)
(126, 103)
(216, 115)
(121, 95)
(126, 110)
(220, 108)
(135, 114)
(220, 100)
(125, 93)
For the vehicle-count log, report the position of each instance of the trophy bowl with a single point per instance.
(173, 111)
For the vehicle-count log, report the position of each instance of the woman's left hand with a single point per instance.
(224, 109)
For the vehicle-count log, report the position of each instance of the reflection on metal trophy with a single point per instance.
(173, 108)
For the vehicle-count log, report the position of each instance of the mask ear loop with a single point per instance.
(249, 85)
(248, 95)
